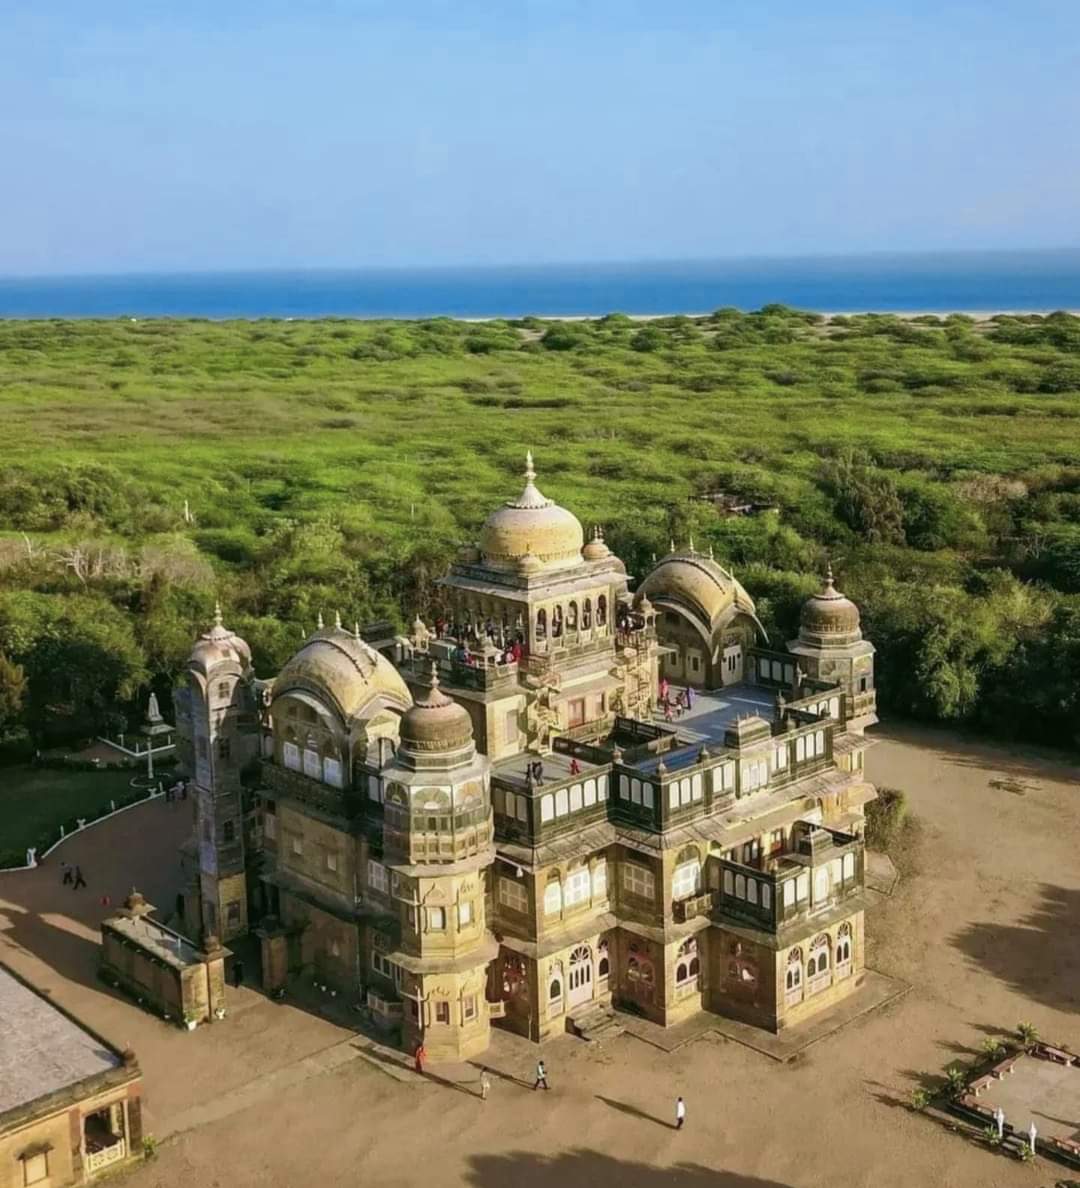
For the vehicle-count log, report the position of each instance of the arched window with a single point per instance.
(556, 622)
(541, 624)
(793, 978)
(687, 964)
(555, 988)
(553, 897)
(571, 617)
(601, 610)
(843, 945)
(603, 965)
(818, 962)
(586, 614)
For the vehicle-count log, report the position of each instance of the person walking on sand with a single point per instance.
(79, 880)
(541, 1076)
(420, 1058)
(66, 868)
(485, 1084)
(680, 1113)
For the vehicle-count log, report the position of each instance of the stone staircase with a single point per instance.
(595, 1022)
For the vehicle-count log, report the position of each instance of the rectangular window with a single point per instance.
(802, 887)
(375, 788)
(464, 913)
(331, 862)
(696, 787)
(561, 808)
(751, 891)
(312, 765)
(684, 791)
(547, 807)
(729, 883)
(521, 809)
(639, 881)
(553, 898)
(687, 880)
(729, 776)
(849, 866)
(766, 896)
(297, 846)
(819, 741)
(269, 826)
(635, 791)
(468, 1007)
(789, 893)
(763, 668)
(577, 888)
(624, 788)
(510, 726)
(436, 918)
(332, 772)
(442, 1012)
(647, 795)
(590, 792)
(779, 758)
(512, 894)
(800, 749)
(35, 1168)
(575, 798)
(673, 794)
(599, 879)
(601, 788)
(290, 753)
(576, 711)
(376, 876)
(382, 964)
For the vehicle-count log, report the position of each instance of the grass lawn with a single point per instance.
(34, 802)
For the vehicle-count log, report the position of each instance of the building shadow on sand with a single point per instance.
(590, 1169)
(1039, 957)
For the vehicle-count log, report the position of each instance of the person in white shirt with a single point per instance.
(680, 1114)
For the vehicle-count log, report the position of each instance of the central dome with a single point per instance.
(531, 526)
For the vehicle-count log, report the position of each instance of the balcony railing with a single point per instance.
(697, 905)
(301, 787)
(105, 1157)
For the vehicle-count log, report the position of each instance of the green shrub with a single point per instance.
(885, 818)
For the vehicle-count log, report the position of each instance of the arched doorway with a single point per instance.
(581, 973)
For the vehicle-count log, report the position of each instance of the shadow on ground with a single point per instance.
(589, 1169)
(1040, 956)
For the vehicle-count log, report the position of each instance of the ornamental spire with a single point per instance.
(321, 624)
(337, 620)
(434, 675)
(217, 613)
(530, 472)
(692, 549)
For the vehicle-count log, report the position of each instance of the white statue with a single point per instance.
(153, 714)
(999, 1121)
(31, 856)
(1033, 1134)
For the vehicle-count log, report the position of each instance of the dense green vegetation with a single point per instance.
(338, 464)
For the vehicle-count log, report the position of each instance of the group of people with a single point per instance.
(541, 1081)
(675, 706)
(72, 876)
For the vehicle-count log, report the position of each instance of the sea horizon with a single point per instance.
(973, 282)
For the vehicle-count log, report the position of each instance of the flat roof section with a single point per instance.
(41, 1049)
(163, 942)
(556, 768)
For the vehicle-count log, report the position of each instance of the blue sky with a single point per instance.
(234, 134)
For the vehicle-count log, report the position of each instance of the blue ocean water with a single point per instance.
(970, 281)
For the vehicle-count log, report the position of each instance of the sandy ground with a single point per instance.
(984, 925)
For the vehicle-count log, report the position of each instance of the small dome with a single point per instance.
(530, 563)
(596, 549)
(219, 645)
(339, 668)
(435, 722)
(531, 524)
(829, 614)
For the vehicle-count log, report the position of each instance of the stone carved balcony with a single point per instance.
(300, 787)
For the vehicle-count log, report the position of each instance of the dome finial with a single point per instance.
(692, 549)
(321, 624)
(356, 631)
(671, 542)
(828, 574)
(217, 613)
(712, 556)
(434, 675)
(530, 472)
(337, 620)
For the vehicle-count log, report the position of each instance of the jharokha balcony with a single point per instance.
(822, 870)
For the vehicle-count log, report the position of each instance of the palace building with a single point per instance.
(490, 821)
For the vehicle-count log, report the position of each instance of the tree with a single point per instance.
(12, 691)
(866, 498)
